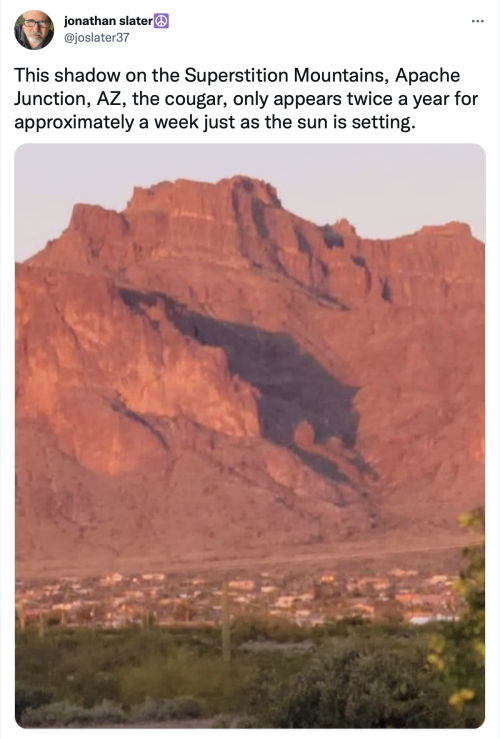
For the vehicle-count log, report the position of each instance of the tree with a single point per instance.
(459, 653)
(359, 683)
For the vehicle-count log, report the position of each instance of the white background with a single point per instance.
(224, 35)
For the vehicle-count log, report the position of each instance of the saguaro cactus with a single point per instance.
(226, 626)
(41, 624)
(21, 614)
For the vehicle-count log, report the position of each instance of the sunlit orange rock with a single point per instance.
(206, 373)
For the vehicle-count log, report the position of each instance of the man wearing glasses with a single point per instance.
(34, 32)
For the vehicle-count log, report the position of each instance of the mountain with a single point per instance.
(207, 376)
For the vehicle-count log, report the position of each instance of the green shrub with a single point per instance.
(151, 711)
(107, 713)
(63, 714)
(27, 698)
(383, 685)
(187, 707)
(155, 711)
(271, 628)
(55, 714)
(458, 652)
(219, 685)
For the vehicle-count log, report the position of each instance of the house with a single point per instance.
(246, 585)
(422, 617)
(364, 608)
(438, 580)
(397, 572)
(285, 601)
(241, 599)
(134, 594)
(405, 598)
(306, 597)
(111, 579)
(302, 614)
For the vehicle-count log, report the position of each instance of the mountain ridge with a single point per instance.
(272, 384)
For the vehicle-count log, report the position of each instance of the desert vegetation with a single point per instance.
(348, 674)
(262, 671)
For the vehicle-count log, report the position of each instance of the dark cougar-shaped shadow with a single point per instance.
(293, 386)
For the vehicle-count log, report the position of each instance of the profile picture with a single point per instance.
(34, 30)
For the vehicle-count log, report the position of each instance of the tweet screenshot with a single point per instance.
(249, 431)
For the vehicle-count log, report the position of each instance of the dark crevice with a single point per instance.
(362, 465)
(136, 307)
(247, 184)
(119, 407)
(331, 238)
(386, 290)
(302, 242)
(321, 465)
(359, 261)
(326, 297)
(258, 215)
(236, 207)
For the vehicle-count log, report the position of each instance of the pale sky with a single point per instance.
(384, 190)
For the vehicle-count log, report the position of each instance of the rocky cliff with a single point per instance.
(205, 374)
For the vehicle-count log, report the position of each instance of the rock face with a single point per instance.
(206, 374)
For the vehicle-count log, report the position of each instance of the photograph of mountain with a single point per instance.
(213, 389)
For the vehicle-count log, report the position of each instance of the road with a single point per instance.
(200, 564)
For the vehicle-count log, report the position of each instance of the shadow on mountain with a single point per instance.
(293, 386)
(321, 465)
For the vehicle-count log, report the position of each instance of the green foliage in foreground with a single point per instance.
(350, 674)
(28, 699)
(83, 667)
(175, 709)
(459, 651)
(379, 683)
(64, 714)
